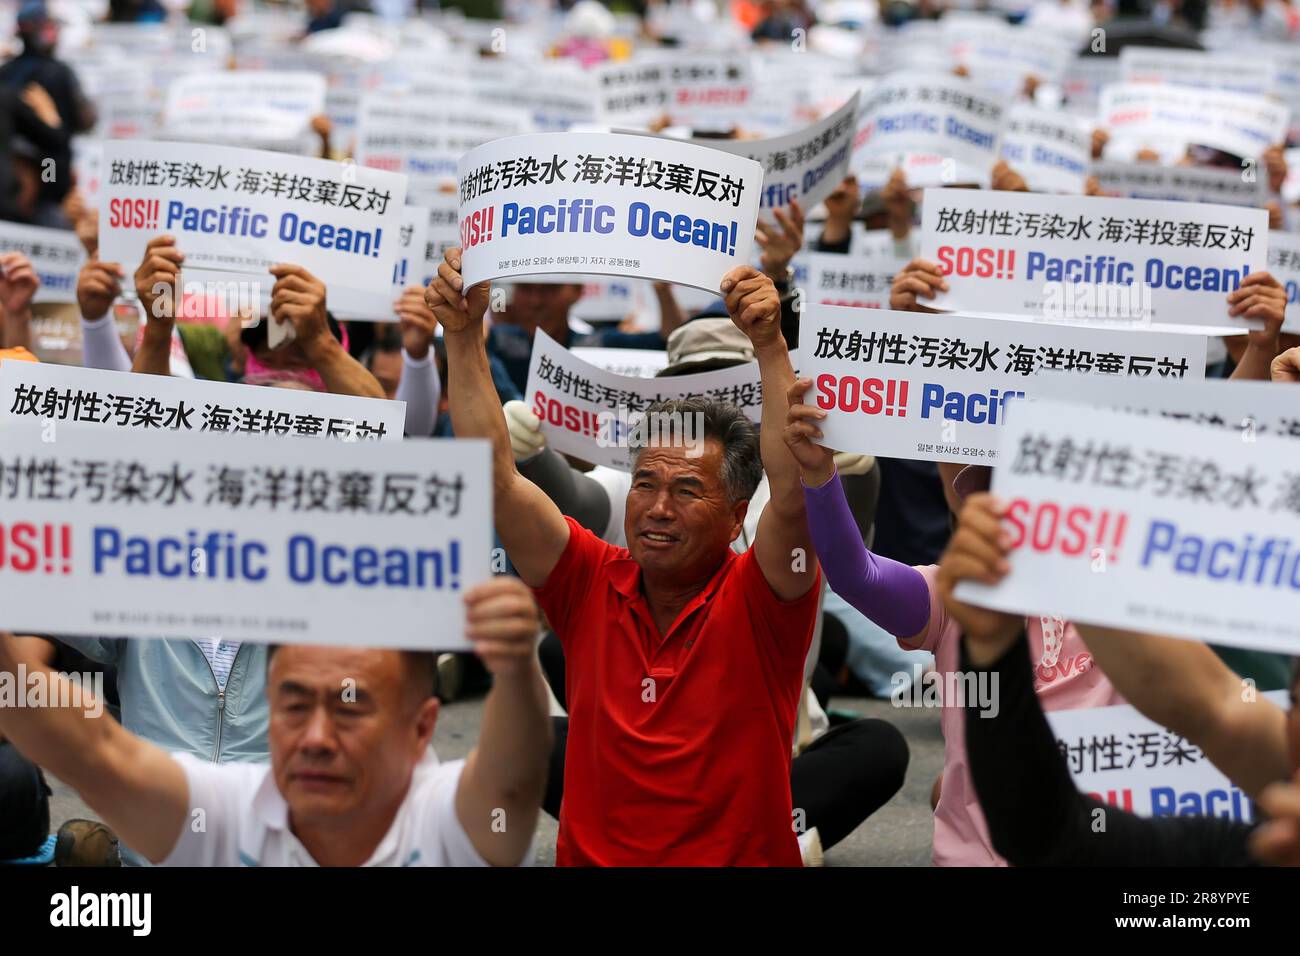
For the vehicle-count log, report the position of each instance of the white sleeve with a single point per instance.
(217, 801)
(421, 389)
(101, 347)
(444, 835)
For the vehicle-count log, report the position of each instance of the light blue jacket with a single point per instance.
(170, 697)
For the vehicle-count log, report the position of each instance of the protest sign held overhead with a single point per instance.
(1184, 530)
(257, 109)
(424, 140)
(606, 204)
(807, 165)
(1167, 119)
(1050, 149)
(937, 115)
(938, 387)
(592, 414)
(56, 256)
(1091, 258)
(54, 394)
(1123, 759)
(1227, 187)
(1197, 68)
(1284, 264)
(863, 277)
(255, 539)
(243, 210)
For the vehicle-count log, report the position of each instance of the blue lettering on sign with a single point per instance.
(659, 224)
(1267, 562)
(222, 555)
(977, 408)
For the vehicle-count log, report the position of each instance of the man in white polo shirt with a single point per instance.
(352, 779)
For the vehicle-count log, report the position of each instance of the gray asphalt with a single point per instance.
(897, 835)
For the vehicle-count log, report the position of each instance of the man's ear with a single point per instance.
(425, 721)
(738, 512)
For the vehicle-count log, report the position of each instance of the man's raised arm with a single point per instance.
(136, 787)
(528, 523)
(783, 543)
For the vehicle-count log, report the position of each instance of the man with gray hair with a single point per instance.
(684, 660)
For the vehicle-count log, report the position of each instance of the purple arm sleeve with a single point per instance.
(892, 594)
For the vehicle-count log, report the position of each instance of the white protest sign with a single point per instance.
(253, 539)
(245, 108)
(806, 165)
(56, 256)
(1000, 57)
(633, 91)
(1050, 149)
(408, 270)
(424, 140)
(937, 387)
(606, 204)
(243, 210)
(54, 394)
(1181, 183)
(1284, 264)
(635, 363)
(1197, 68)
(590, 413)
(442, 233)
(1085, 77)
(1184, 530)
(707, 88)
(1245, 408)
(937, 115)
(860, 279)
(1121, 758)
(1089, 257)
(1169, 118)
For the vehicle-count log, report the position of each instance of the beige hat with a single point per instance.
(702, 345)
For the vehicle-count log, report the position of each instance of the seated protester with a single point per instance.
(685, 660)
(351, 782)
(902, 599)
(838, 778)
(1036, 815)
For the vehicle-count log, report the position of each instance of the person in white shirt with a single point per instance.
(352, 779)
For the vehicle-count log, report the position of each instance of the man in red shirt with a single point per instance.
(684, 659)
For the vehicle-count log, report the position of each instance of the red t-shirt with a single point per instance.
(679, 747)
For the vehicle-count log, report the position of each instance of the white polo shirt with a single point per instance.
(244, 820)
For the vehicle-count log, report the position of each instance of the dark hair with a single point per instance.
(421, 669)
(389, 339)
(742, 466)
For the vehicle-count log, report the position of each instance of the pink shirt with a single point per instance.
(1066, 678)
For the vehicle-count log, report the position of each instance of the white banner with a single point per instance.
(408, 270)
(1119, 757)
(1169, 118)
(252, 539)
(1067, 258)
(937, 387)
(241, 210)
(936, 115)
(1184, 530)
(1245, 408)
(589, 413)
(1182, 183)
(807, 165)
(1050, 149)
(1229, 72)
(54, 394)
(244, 108)
(423, 140)
(56, 256)
(1284, 264)
(443, 232)
(606, 204)
(860, 279)
(634, 363)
